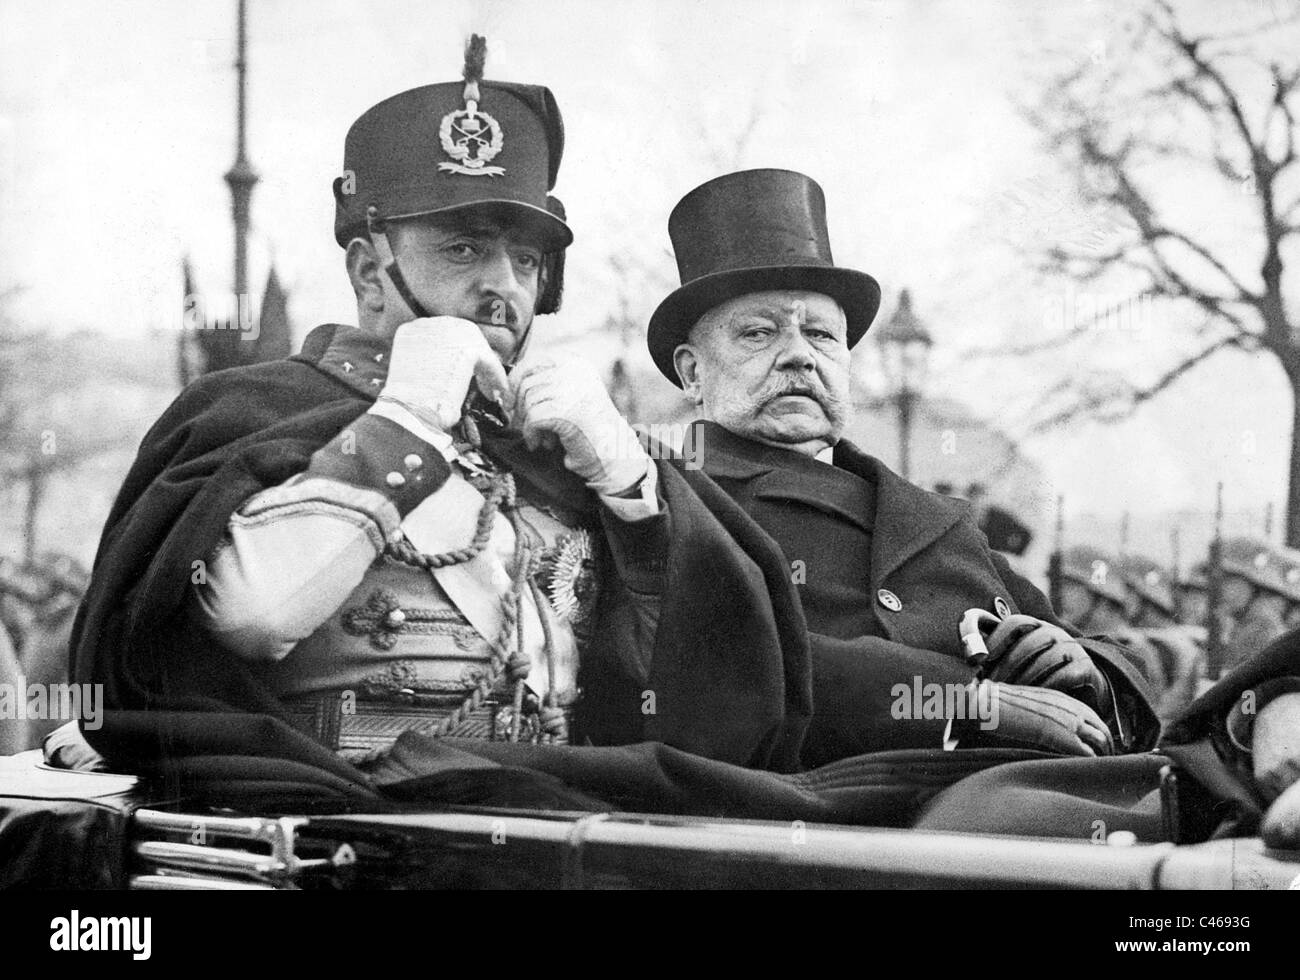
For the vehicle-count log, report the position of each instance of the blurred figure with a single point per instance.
(1093, 596)
(1290, 558)
(1174, 653)
(1256, 598)
(1149, 588)
(1006, 533)
(21, 593)
(13, 733)
(1192, 597)
(38, 602)
(45, 652)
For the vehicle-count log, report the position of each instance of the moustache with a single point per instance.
(794, 386)
(496, 313)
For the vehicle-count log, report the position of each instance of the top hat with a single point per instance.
(749, 232)
(455, 146)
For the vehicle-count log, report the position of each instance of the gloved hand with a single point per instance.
(569, 404)
(432, 363)
(1028, 651)
(1034, 718)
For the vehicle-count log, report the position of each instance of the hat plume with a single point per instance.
(475, 57)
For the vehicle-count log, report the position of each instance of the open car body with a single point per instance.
(87, 830)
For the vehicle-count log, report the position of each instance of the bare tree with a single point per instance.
(60, 408)
(1211, 105)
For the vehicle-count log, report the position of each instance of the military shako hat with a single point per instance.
(454, 146)
(749, 232)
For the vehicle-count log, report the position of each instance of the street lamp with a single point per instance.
(905, 346)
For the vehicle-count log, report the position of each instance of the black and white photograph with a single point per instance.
(650, 445)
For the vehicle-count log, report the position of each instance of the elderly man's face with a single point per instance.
(772, 367)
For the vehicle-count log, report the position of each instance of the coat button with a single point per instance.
(1000, 607)
(889, 600)
(395, 480)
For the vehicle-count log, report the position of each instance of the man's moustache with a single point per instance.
(496, 314)
(797, 388)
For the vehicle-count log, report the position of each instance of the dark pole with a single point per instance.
(1214, 623)
(905, 400)
(241, 177)
(1056, 562)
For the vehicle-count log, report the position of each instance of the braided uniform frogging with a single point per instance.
(551, 720)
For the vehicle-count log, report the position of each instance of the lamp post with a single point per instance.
(241, 176)
(905, 346)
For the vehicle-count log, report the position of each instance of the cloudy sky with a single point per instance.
(116, 124)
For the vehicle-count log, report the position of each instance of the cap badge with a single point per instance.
(470, 137)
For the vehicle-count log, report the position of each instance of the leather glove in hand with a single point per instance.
(569, 404)
(1028, 651)
(1035, 718)
(432, 363)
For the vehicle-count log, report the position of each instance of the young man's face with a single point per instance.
(476, 268)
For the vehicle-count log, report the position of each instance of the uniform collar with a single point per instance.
(358, 358)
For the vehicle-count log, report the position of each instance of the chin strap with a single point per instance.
(378, 230)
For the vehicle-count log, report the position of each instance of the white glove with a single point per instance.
(432, 363)
(569, 404)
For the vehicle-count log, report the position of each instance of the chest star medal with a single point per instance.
(568, 574)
